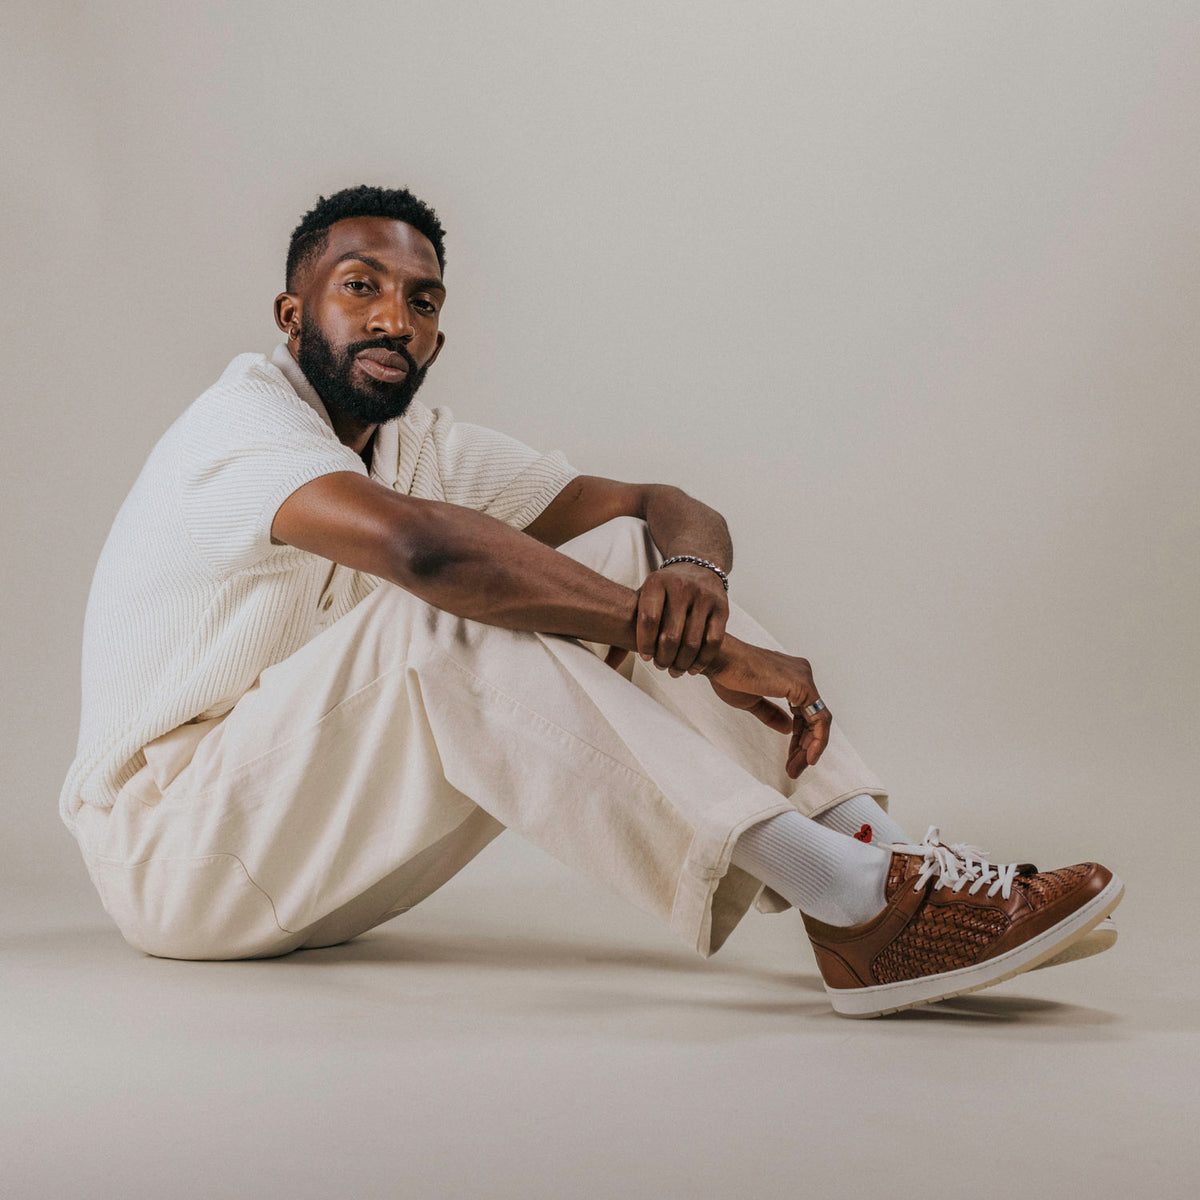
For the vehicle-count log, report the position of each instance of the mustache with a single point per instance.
(393, 344)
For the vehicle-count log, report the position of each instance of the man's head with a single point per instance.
(364, 293)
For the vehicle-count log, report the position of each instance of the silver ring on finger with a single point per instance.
(809, 710)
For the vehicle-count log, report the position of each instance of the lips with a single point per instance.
(385, 358)
(383, 364)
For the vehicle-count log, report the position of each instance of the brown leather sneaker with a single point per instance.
(948, 929)
(974, 861)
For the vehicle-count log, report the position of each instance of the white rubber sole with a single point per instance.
(1096, 941)
(1054, 942)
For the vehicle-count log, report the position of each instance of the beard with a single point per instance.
(371, 401)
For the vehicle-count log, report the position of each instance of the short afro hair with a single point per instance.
(397, 204)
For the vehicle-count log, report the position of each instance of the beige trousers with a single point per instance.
(360, 774)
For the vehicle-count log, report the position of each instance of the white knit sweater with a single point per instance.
(192, 599)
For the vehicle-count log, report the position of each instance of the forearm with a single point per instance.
(474, 566)
(680, 524)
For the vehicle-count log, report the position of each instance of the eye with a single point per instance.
(358, 285)
(426, 306)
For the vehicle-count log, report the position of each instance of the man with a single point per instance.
(336, 642)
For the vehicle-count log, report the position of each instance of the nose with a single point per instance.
(390, 317)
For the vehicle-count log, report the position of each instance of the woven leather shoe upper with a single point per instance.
(932, 924)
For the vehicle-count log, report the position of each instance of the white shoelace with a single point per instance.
(958, 865)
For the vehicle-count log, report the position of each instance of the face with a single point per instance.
(368, 318)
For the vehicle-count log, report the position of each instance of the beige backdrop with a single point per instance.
(909, 292)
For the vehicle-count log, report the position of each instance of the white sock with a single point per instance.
(829, 876)
(851, 815)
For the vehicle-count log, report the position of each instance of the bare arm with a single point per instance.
(682, 609)
(474, 566)
(455, 558)
(678, 523)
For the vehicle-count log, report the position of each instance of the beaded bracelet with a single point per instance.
(700, 562)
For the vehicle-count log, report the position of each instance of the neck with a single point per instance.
(352, 433)
(357, 435)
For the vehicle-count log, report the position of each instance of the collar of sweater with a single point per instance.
(282, 358)
(390, 464)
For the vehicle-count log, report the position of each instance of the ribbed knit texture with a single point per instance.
(851, 815)
(191, 600)
(824, 874)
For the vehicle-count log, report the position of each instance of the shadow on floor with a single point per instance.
(568, 978)
(502, 951)
(1006, 1009)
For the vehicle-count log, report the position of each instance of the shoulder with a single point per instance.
(252, 394)
(252, 375)
(249, 368)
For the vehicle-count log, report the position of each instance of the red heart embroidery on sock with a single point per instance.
(864, 834)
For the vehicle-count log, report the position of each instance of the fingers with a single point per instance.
(772, 715)
(695, 631)
(678, 628)
(714, 635)
(810, 736)
(670, 632)
(746, 673)
(651, 600)
(768, 713)
(805, 751)
(820, 737)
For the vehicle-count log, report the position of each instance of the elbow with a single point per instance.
(662, 493)
(442, 555)
(420, 555)
(426, 562)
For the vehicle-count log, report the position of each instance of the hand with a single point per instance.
(744, 675)
(681, 615)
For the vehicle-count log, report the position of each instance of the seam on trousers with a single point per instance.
(710, 877)
(226, 776)
(198, 858)
(731, 838)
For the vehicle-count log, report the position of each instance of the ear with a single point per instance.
(287, 313)
(441, 341)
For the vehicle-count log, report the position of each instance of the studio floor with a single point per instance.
(547, 1040)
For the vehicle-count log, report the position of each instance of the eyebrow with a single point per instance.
(431, 283)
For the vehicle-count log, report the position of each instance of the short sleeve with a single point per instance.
(241, 452)
(496, 474)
